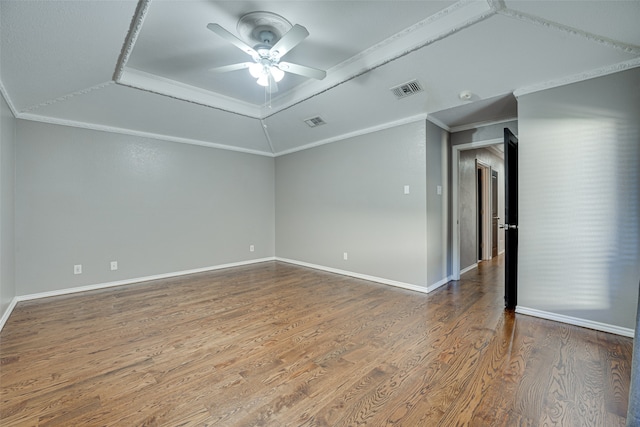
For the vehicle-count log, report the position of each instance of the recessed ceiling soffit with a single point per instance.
(141, 64)
(430, 30)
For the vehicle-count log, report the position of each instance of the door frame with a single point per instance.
(455, 205)
(494, 193)
(484, 220)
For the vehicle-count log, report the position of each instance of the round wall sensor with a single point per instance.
(465, 95)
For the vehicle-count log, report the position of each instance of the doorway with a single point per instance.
(456, 246)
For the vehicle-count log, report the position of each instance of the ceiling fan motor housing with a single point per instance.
(266, 37)
(254, 26)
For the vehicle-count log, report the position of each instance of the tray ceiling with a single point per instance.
(144, 67)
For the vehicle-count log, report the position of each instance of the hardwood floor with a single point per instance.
(276, 344)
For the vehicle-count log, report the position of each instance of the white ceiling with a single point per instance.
(143, 67)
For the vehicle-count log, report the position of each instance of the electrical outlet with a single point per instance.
(114, 265)
(77, 269)
(252, 248)
(345, 256)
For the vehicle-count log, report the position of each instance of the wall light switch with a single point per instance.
(252, 248)
(439, 190)
(77, 269)
(345, 256)
(114, 265)
(406, 189)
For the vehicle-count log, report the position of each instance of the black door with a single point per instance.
(511, 219)
(480, 219)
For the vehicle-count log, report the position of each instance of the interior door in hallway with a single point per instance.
(494, 213)
(511, 219)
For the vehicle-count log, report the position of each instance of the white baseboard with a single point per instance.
(604, 327)
(397, 284)
(7, 313)
(96, 286)
(471, 267)
(436, 285)
(137, 280)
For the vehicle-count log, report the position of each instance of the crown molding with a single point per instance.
(575, 78)
(497, 5)
(7, 99)
(438, 123)
(365, 131)
(132, 37)
(479, 125)
(123, 131)
(540, 22)
(153, 83)
(265, 129)
(470, 126)
(67, 97)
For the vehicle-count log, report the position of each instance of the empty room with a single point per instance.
(319, 213)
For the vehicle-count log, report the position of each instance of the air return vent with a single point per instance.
(407, 89)
(315, 121)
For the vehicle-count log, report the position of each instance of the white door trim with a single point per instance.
(486, 207)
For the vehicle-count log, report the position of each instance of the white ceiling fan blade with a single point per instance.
(301, 70)
(294, 36)
(232, 39)
(232, 67)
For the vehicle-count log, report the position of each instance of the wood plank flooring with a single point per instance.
(274, 344)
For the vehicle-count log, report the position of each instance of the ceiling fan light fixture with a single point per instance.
(277, 73)
(263, 80)
(256, 70)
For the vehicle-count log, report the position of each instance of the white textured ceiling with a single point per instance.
(143, 67)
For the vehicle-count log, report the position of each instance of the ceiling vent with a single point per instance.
(315, 121)
(407, 89)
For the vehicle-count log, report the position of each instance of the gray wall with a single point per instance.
(579, 187)
(7, 200)
(88, 197)
(348, 197)
(468, 202)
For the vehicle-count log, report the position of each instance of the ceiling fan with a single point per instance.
(274, 37)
